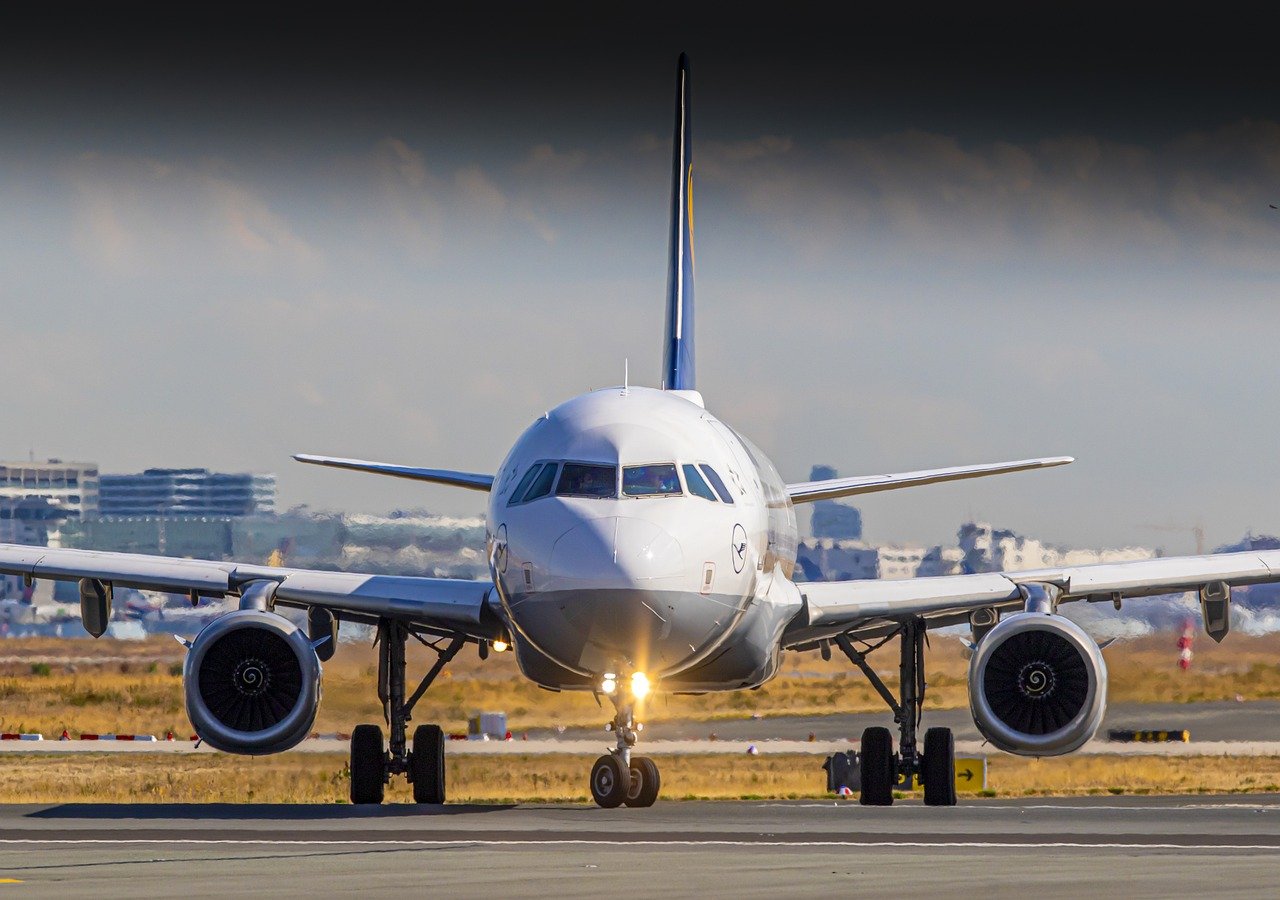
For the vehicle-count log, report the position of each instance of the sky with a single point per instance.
(922, 240)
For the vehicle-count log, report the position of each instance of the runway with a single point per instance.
(1141, 846)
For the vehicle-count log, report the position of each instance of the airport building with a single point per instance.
(70, 487)
(187, 493)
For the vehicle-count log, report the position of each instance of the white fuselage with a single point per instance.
(626, 556)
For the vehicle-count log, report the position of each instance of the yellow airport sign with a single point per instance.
(971, 774)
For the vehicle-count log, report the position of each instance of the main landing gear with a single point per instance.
(618, 778)
(882, 770)
(371, 765)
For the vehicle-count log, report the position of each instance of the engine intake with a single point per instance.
(252, 683)
(1037, 685)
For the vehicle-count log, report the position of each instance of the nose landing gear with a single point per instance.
(618, 778)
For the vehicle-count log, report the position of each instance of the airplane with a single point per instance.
(636, 543)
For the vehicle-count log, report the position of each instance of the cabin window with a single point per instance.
(651, 481)
(524, 484)
(542, 484)
(717, 482)
(582, 480)
(697, 484)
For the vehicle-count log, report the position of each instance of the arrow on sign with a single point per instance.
(967, 775)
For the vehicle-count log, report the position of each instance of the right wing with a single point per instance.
(841, 607)
(471, 480)
(444, 604)
(809, 491)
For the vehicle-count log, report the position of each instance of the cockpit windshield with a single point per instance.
(583, 480)
(651, 481)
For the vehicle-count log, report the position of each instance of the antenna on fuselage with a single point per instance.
(626, 374)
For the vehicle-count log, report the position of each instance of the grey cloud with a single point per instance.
(1064, 198)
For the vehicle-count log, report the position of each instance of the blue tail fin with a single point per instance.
(678, 371)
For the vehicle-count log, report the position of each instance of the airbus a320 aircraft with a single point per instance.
(636, 543)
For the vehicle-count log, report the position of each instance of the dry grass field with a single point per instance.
(322, 778)
(47, 685)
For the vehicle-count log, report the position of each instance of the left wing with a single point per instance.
(809, 491)
(837, 607)
(445, 604)
(471, 480)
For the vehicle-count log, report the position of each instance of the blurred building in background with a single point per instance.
(187, 493)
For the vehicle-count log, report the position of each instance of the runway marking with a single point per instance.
(984, 807)
(535, 842)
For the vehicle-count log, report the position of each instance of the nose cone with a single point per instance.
(614, 552)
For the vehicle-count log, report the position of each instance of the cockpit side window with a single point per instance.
(651, 481)
(717, 482)
(584, 480)
(697, 484)
(542, 485)
(524, 484)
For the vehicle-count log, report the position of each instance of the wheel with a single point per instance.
(368, 765)
(426, 764)
(609, 784)
(645, 782)
(939, 775)
(877, 767)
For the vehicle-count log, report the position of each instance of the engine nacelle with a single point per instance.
(1037, 685)
(252, 683)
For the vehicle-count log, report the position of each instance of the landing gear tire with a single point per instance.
(645, 782)
(426, 764)
(368, 765)
(609, 782)
(877, 767)
(939, 769)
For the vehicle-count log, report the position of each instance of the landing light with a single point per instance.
(639, 685)
(609, 683)
(499, 646)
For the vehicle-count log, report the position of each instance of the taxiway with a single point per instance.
(1139, 846)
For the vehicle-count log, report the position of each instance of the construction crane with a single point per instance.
(1197, 531)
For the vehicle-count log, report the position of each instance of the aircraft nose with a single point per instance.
(615, 552)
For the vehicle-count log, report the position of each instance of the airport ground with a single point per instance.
(1109, 846)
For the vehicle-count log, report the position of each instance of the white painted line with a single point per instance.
(594, 842)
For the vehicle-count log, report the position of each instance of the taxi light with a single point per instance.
(608, 684)
(499, 646)
(639, 685)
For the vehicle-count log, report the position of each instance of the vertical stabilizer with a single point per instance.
(678, 372)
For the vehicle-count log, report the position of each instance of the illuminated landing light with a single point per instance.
(639, 685)
(499, 646)
(609, 683)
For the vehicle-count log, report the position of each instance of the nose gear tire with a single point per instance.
(878, 767)
(368, 765)
(939, 775)
(645, 782)
(426, 764)
(609, 782)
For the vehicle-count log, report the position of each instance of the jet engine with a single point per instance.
(252, 683)
(1037, 685)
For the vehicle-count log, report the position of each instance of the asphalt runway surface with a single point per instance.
(1135, 846)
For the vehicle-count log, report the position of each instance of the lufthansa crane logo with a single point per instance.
(739, 549)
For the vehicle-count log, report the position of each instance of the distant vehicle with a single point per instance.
(638, 543)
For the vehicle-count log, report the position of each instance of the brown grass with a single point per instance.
(322, 778)
(47, 685)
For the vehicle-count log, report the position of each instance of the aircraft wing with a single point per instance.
(863, 607)
(471, 480)
(809, 491)
(444, 604)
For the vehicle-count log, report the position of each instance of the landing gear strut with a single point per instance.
(371, 765)
(882, 770)
(618, 778)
